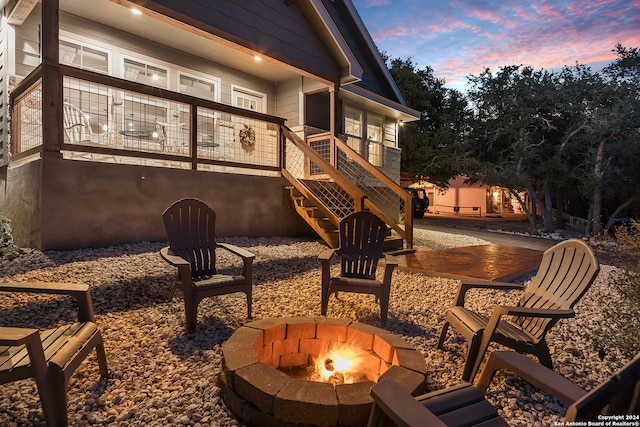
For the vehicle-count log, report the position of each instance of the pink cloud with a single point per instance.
(458, 38)
(374, 3)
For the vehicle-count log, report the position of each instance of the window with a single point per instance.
(374, 128)
(145, 73)
(374, 139)
(82, 56)
(390, 134)
(199, 87)
(248, 99)
(353, 128)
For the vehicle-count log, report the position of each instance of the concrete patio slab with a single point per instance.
(485, 262)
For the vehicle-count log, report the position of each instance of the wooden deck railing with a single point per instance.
(316, 170)
(131, 123)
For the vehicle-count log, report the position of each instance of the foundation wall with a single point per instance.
(65, 204)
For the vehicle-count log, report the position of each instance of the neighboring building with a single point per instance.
(116, 114)
(464, 198)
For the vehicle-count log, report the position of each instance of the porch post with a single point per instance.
(335, 120)
(51, 80)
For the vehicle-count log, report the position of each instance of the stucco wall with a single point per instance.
(88, 204)
(20, 198)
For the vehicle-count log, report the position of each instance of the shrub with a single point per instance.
(6, 238)
(617, 333)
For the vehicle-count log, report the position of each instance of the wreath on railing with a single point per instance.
(248, 138)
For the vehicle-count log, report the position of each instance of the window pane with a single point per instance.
(353, 122)
(84, 57)
(374, 128)
(196, 87)
(145, 73)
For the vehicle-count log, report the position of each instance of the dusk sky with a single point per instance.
(461, 37)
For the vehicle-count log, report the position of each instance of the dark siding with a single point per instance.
(266, 26)
(373, 78)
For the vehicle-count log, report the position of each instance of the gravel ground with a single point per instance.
(162, 377)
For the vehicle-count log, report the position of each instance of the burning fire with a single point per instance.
(340, 365)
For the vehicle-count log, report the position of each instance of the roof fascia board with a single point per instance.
(355, 70)
(410, 113)
(374, 49)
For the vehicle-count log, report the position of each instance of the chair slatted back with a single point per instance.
(362, 236)
(619, 395)
(190, 226)
(76, 124)
(566, 272)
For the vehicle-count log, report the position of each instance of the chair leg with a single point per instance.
(543, 354)
(102, 360)
(191, 311)
(249, 301)
(384, 305)
(443, 334)
(324, 303)
(58, 389)
(472, 354)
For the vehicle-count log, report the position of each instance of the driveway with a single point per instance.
(503, 230)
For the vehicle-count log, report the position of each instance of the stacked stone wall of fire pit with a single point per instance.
(257, 390)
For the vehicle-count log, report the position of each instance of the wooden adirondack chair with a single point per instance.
(464, 404)
(51, 356)
(566, 272)
(362, 236)
(190, 226)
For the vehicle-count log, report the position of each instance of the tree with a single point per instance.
(560, 134)
(514, 134)
(602, 138)
(431, 146)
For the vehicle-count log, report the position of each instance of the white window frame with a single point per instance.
(215, 81)
(146, 62)
(236, 90)
(74, 40)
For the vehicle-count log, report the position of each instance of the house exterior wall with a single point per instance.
(468, 199)
(20, 201)
(260, 25)
(66, 204)
(288, 105)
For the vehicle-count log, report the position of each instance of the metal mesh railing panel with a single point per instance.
(322, 147)
(327, 191)
(27, 124)
(124, 119)
(233, 138)
(376, 191)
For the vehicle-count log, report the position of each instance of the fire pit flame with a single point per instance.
(340, 364)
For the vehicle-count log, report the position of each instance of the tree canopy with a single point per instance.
(570, 138)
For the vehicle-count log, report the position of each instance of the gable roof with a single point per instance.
(375, 80)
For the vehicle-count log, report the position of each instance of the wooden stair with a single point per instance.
(324, 225)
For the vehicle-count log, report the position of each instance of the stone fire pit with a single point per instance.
(257, 390)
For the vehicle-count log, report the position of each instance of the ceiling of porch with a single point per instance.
(113, 14)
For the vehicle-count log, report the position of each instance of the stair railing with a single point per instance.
(310, 169)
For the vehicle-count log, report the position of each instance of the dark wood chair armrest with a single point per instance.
(391, 401)
(390, 261)
(15, 336)
(530, 371)
(172, 259)
(79, 291)
(241, 252)
(467, 285)
(326, 254)
(503, 310)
